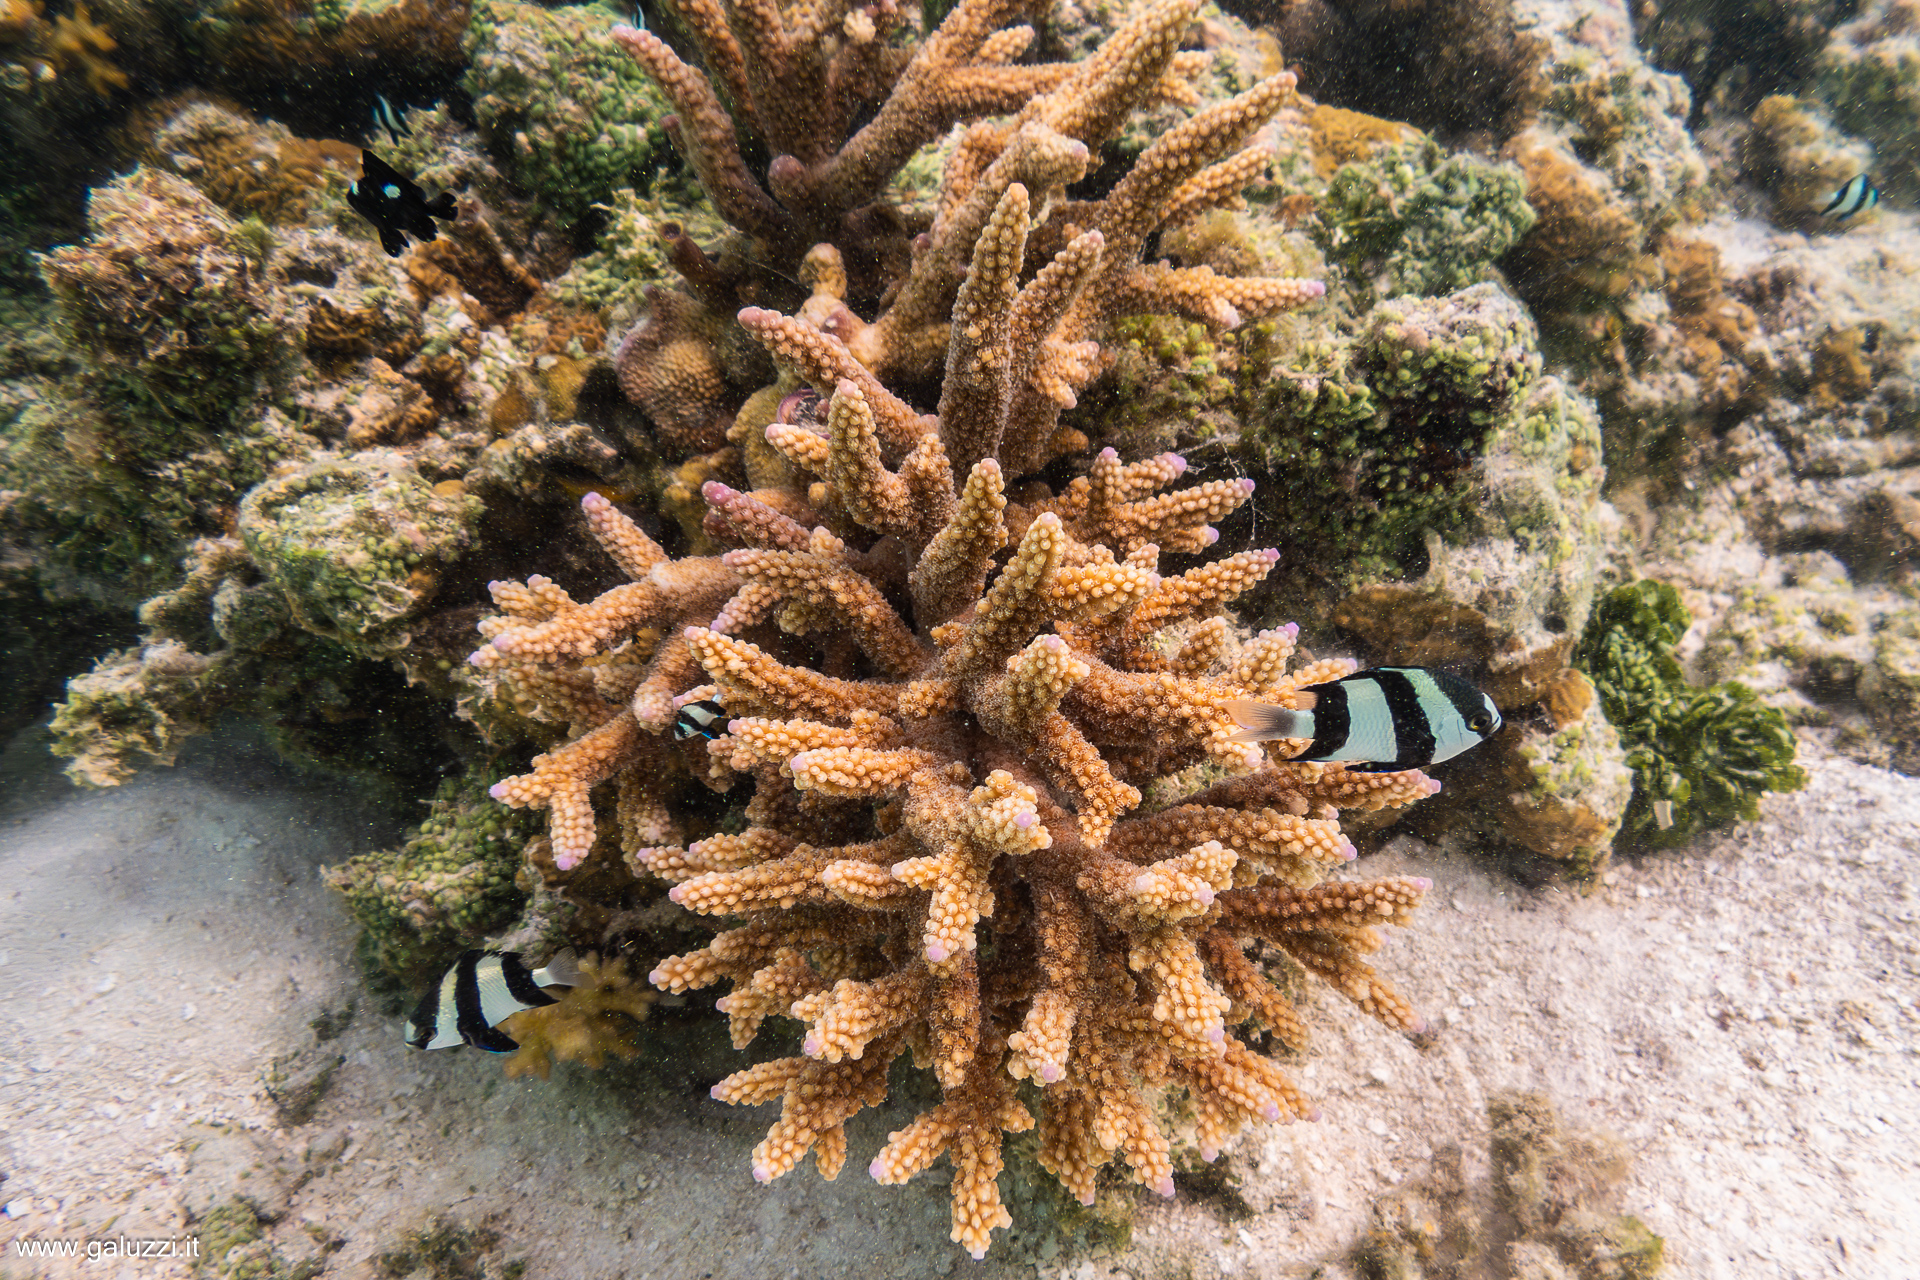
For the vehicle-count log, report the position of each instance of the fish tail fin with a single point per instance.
(561, 971)
(1266, 721)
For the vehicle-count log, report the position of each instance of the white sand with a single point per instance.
(1743, 1016)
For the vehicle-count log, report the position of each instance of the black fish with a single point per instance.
(700, 720)
(1858, 193)
(395, 205)
(481, 990)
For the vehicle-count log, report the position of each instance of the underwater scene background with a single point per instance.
(1275, 640)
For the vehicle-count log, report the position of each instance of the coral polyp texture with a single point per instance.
(948, 686)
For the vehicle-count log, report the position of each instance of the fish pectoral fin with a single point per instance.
(1266, 721)
(493, 1040)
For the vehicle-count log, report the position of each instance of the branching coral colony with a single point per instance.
(946, 743)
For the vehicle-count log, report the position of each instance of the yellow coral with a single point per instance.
(591, 1023)
(79, 44)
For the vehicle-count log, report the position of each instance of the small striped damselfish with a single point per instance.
(483, 989)
(1390, 717)
(700, 720)
(1856, 194)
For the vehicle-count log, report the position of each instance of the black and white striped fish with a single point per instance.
(706, 719)
(1390, 717)
(1856, 194)
(483, 989)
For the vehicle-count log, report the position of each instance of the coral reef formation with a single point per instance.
(947, 744)
(1702, 757)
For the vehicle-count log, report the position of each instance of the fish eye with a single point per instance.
(1481, 722)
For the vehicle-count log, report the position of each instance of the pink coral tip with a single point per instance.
(1109, 454)
(1272, 556)
(877, 1170)
(1422, 883)
(1270, 1112)
(1433, 786)
(714, 491)
(1209, 1154)
(1420, 1027)
(1022, 821)
(1310, 1114)
(1087, 1199)
(475, 657)
(498, 790)
(677, 894)
(1204, 895)
(594, 500)
(1316, 288)
(811, 1046)
(755, 315)
(658, 977)
(978, 1255)
(761, 1173)
(1217, 1034)
(1178, 463)
(1246, 483)
(715, 1091)
(567, 861)
(1347, 852)
(1209, 535)
(1052, 1073)
(937, 952)
(1164, 1186)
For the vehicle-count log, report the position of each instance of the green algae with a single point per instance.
(1418, 219)
(1702, 757)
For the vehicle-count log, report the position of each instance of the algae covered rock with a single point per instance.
(1701, 757)
(1374, 443)
(1418, 219)
(136, 706)
(449, 885)
(357, 543)
(578, 116)
(166, 303)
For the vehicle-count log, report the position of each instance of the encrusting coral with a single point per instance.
(947, 740)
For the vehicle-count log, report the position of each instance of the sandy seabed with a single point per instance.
(1741, 1015)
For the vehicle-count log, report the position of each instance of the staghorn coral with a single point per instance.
(949, 693)
(821, 186)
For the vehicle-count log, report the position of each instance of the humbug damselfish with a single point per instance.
(1389, 717)
(481, 990)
